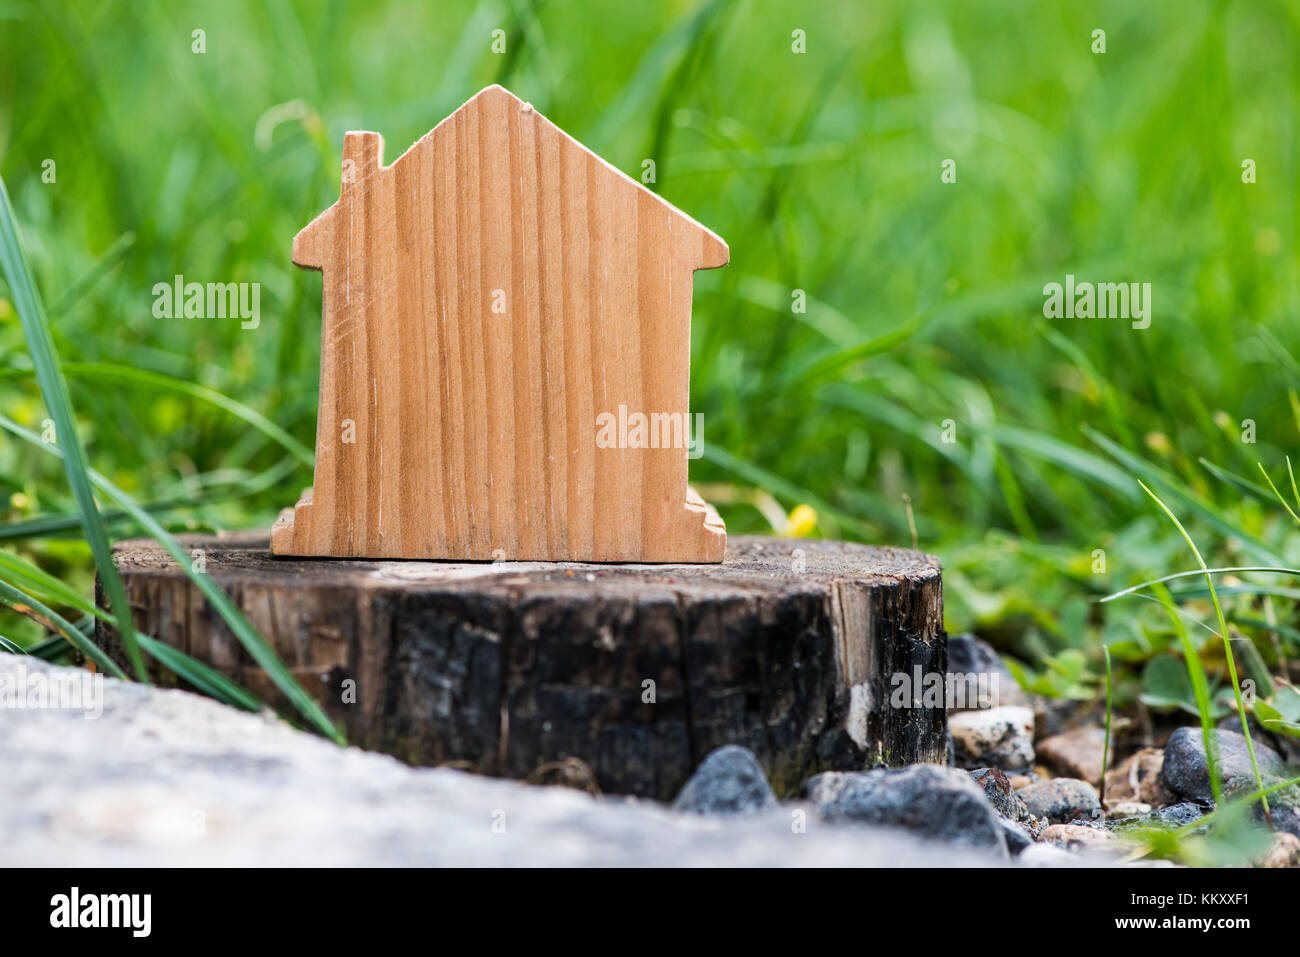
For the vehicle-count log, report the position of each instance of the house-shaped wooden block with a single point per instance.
(490, 299)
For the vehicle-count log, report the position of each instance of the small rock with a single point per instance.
(937, 802)
(1137, 778)
(1284, 808)
(1056, 716)
(1017, 835)
(1062, 801)
(1283, 852)
(1074, 754)
(1018, 781)
(967, 655)
(1176, 815)
(1073, 837)
(1185, 770)
(1285, 745)
(728, 781)
(998, 790)
(999, 737)
(1126, 810)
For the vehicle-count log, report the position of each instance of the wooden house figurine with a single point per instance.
(489, 299)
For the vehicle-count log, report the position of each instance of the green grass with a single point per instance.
(822, 170)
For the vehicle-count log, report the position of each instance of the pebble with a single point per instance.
(1126, 810)
(1076, 836)
(997, 788)
(1185, 770)
(1062, 801)
(936, 802)
(997, 737)
(728, 781)
(1074, 754)
(1283, 852)
(1176, 815)
(968, 655)
(1137, 778)
(1017, 835)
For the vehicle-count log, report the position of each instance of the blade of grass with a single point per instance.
(1258, 795)
(1291, 472)
(108, 372)
(195, 672)
(1198, 573)
(239, 624)
(1157, 476)
(49, 649)
(1227, 644)
(1267, 478)
(1200, 690)
(1284, 630)
(43, 615)
(1257, 492)
(23, 574)
(1105, 747)
(36, 329)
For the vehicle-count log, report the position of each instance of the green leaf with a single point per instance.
(195, 672)
(108, 372)
(23, 603)
(243, 629)
(1227, 644)
(22, 573)
(31, 315)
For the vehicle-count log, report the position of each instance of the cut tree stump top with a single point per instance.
(787, 647)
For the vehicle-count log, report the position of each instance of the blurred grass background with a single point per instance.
(822, 171)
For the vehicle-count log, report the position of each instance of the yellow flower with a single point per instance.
(1159, 442)
(802, 522)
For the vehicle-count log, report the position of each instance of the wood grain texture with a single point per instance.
(787, 648)
(486, 298)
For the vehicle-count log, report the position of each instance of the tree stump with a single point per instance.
(787, 648)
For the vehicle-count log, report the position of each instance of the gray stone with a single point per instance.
(1074, 837)
(998, 737)
(1185, 771)
(1176, 815)
(997, 788)
(1076, 753)
(728, 781)
(1062, 801)
(166, 778)
(1018, 837)
(1285, 745)
(968, 655)
(936, 802)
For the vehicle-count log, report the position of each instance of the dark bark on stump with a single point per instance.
(786, 648)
